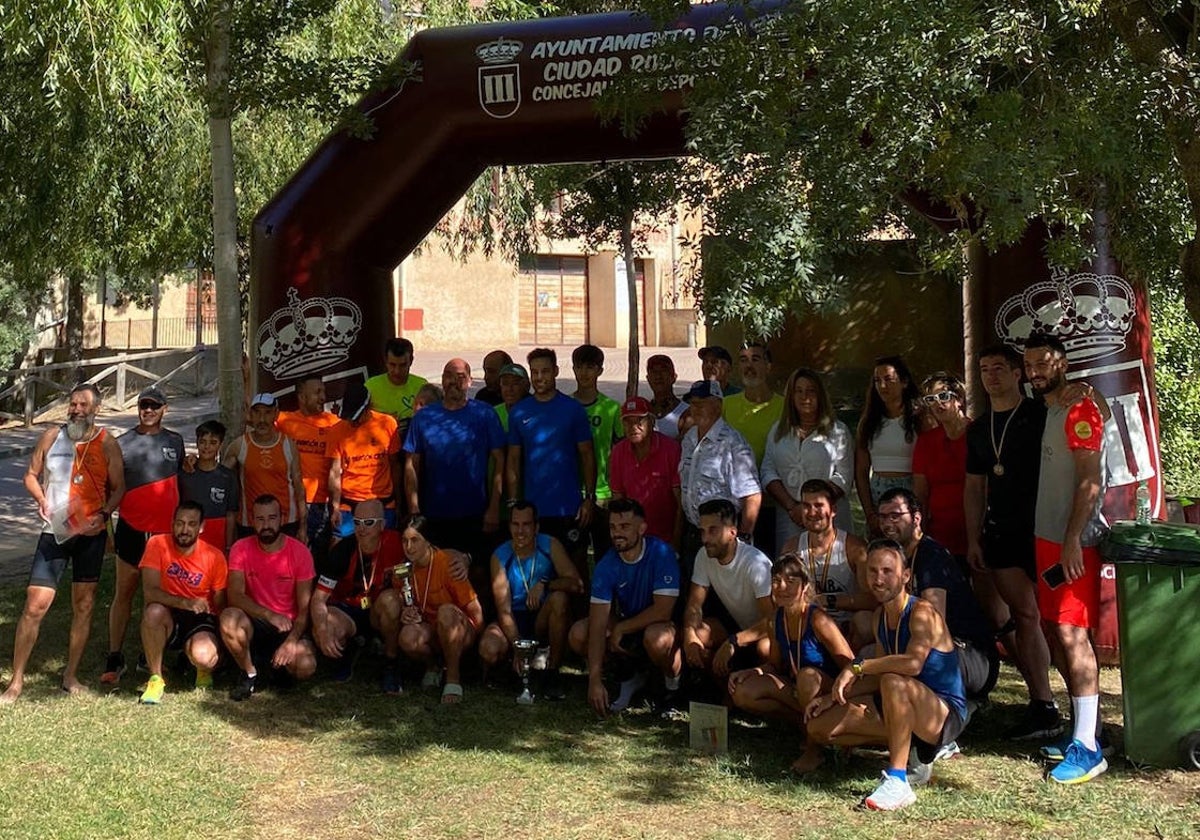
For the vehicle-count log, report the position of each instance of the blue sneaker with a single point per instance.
(1079, 765)
(1057, 750)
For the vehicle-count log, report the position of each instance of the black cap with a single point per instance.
(354, 402)
(715, 350)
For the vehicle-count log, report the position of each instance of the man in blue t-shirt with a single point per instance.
(550, 455)
(634, 589)
(449, 446)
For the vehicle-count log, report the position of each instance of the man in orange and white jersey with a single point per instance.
(77, 478)
(315, 432)
(268, 464)
(366, 463)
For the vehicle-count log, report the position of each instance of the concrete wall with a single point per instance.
(447, 303)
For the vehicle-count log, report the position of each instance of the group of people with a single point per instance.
(636, 534)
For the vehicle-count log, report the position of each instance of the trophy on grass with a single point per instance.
(402, 577)
(525, 650)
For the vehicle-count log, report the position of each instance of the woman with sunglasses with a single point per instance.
(939, 462)
(806, 442)
(887, 432)
(807, 652)
(445, 618)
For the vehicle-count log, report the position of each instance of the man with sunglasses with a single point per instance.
(354, 597)
(153, 457)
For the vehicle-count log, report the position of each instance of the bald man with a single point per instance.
(449, 447)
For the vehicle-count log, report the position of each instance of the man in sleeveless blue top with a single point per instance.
(532, 579)
(911, 693)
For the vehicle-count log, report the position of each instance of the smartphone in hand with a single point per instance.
(1055, 576)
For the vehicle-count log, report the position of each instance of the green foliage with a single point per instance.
(1177, 381)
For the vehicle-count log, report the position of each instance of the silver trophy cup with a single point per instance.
(402, 573)
(525, 650)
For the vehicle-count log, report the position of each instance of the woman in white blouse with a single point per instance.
(806, 442)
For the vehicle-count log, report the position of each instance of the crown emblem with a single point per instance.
(1091, 314)
(500, 51)
(307, 336)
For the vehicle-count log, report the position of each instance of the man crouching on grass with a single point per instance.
(912, 692)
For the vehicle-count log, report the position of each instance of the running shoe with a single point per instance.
(1079, 765)
(919, 773)
(1057, 750)
(891, 795)
(1039, 722)
(948, 751)
(153, 694)
(390, 681)
(246, 686)
(204, 679)
(114, 668)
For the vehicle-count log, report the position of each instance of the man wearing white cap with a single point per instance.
(268, 464)
(645, 466)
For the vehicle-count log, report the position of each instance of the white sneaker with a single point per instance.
(948, 751)
(891, 795)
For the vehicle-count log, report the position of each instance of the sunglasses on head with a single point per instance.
(939, 397)
(149, 405)
(369, 522)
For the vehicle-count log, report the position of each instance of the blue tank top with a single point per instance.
(941, 672)
(531, 569)
(807, 651)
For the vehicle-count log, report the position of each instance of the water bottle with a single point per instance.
(1142, 503)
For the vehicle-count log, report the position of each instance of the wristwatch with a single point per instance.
(856, 666)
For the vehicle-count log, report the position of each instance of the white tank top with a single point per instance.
(829, 574)
(890, 451)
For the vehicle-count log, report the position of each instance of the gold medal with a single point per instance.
(365, 602)
(998, 469)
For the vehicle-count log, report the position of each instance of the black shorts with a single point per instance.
(129, 542)
(526, 623)
(1003, 549)
(188, 624)
(951, 729)
(86, 555)
(980, 667)
(461, 533)
(265, 641)
(567, 531)
(360, 617)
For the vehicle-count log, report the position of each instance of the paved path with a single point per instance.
(19, 524)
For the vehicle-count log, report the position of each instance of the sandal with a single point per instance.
(452, 694)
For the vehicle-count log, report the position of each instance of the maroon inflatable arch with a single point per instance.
(523, 93)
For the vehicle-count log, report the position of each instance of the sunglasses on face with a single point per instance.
(369, 522)
(939, 397)
(149, 405)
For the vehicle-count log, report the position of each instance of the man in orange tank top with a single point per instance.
(77, 478)
(315, 432)
(268, 464)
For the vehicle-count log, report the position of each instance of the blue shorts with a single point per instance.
(86, 555)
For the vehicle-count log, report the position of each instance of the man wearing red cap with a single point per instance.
(645, 466)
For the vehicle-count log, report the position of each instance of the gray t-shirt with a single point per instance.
(1067, 430)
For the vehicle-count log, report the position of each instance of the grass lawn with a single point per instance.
(335, 761)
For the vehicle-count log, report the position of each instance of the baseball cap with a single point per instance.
(636, 407)
(715, 350)
(354, 401)
(263, 399)
(514, 369)
(153, 392)
(660, 360)
(704, 388)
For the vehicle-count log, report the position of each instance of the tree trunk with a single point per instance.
(225, 266)
(631, 383)
(75, 282)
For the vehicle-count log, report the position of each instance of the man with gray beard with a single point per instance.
(77, 478)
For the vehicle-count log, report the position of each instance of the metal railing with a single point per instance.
(149, 333)
(29, 381)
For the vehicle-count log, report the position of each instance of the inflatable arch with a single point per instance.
(524, 92)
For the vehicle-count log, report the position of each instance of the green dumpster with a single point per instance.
(1158, 605)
